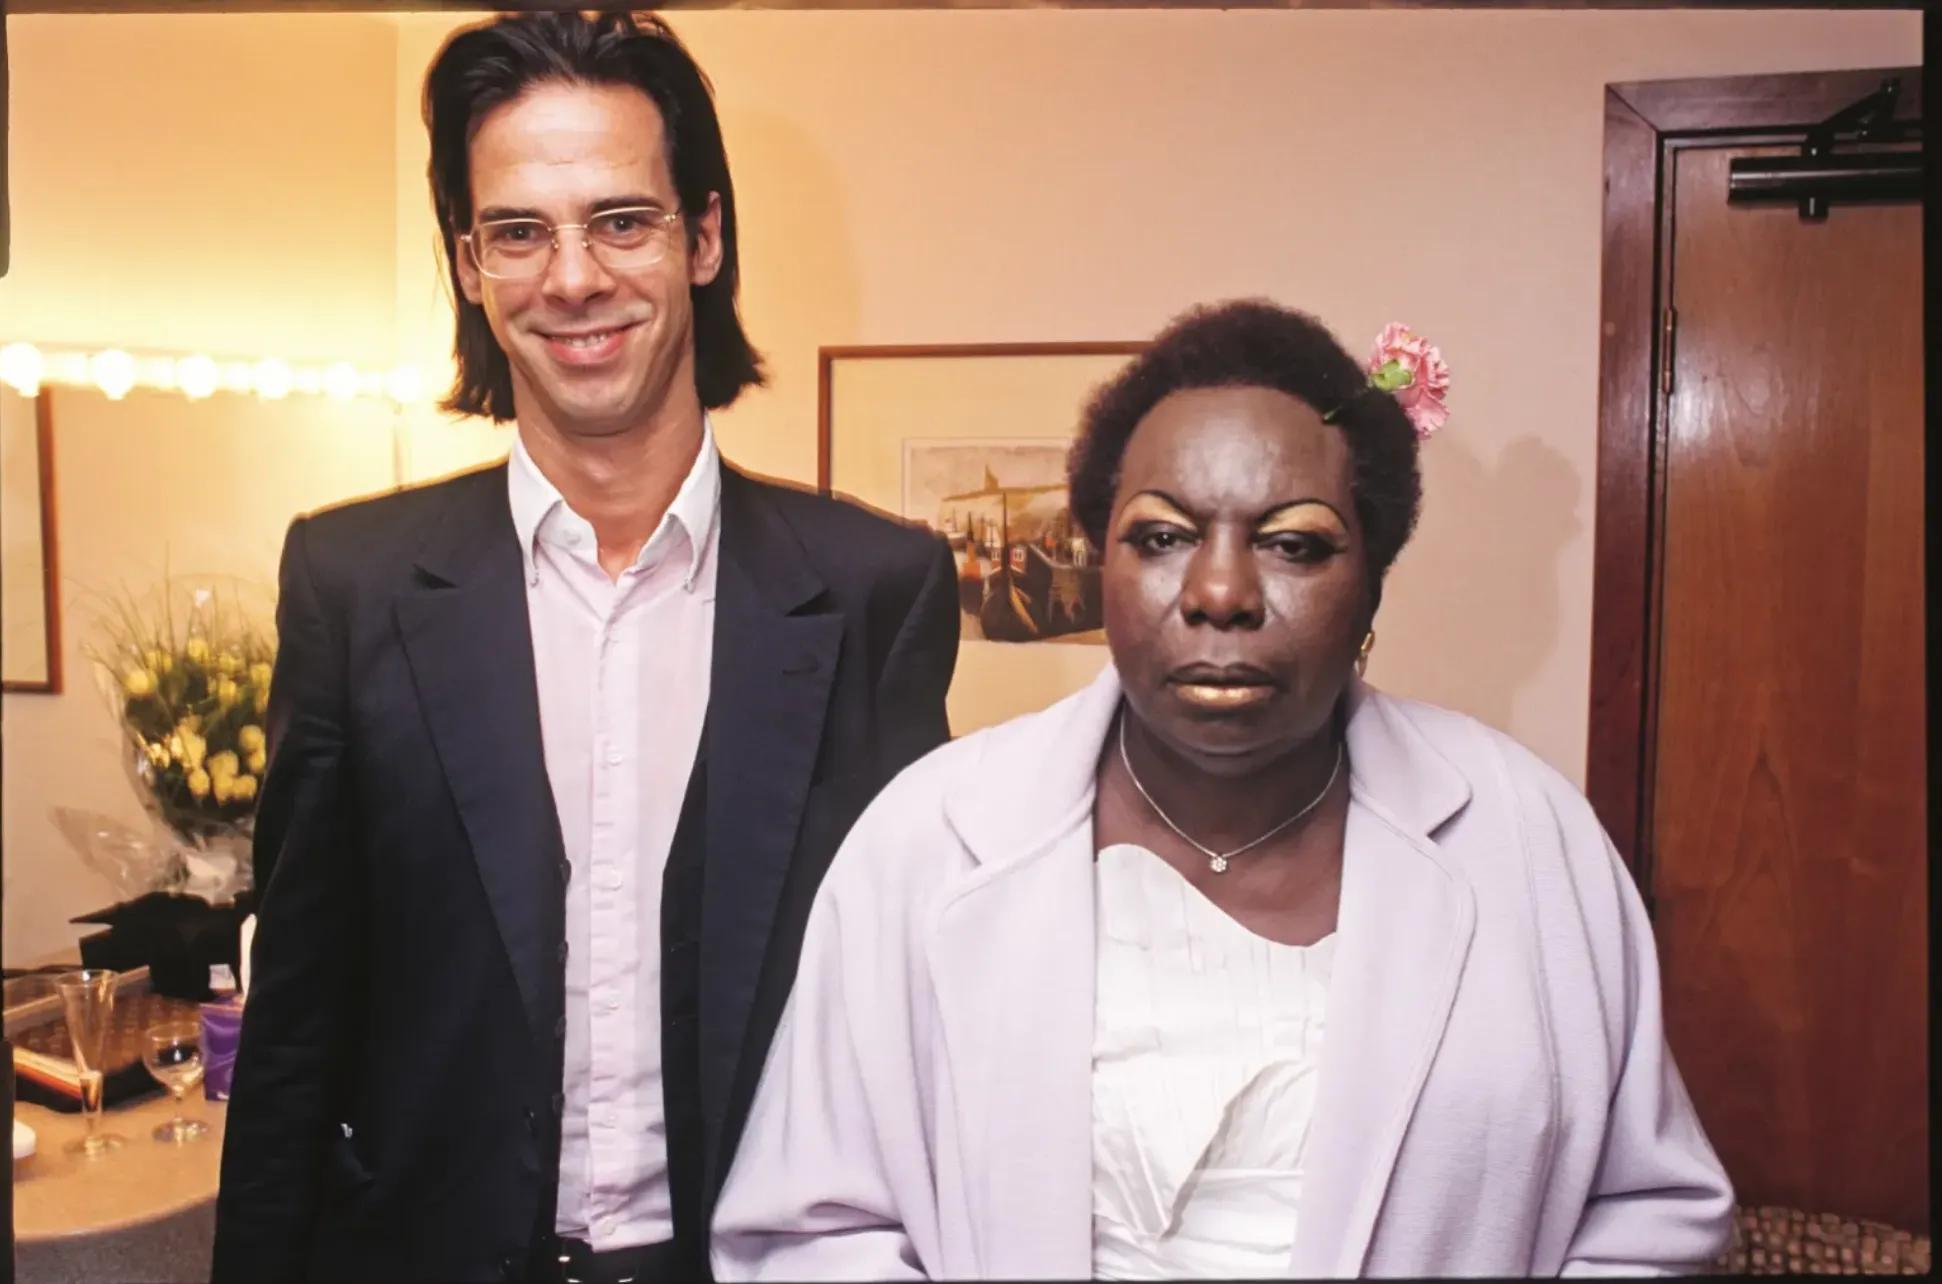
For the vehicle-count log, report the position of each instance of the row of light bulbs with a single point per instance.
(25, 367)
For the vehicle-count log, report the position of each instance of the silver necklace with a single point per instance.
(1217, 861)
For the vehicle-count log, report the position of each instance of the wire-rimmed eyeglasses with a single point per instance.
(621, 240)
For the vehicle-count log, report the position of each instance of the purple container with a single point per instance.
(222, 1029)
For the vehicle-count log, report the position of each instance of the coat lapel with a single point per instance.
(769, 689)
(1405, 923)
(1019, 1045)
(1012, 960)
(469, 643)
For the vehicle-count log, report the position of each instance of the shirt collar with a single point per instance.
(694, 511)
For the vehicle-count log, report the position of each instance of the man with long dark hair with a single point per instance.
(559, 749)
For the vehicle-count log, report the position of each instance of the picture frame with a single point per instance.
(970, 441)
(30, 598)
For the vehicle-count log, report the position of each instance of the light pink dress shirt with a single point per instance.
(622, 668)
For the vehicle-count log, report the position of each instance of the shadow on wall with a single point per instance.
(1471, 613)
(800, 287)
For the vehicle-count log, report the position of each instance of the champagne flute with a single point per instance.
(88, 997)
(172, 1051)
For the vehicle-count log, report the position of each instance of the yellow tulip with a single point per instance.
(175, 747)
(139, 682)
(194, 747)
(257, 761)
(243, 789)
(229, 664)
(262, 701)
(227, 691)
(259, 674)
(250, 738)
(223, 764)
(199, 783)
(158, 755)
(221, 787)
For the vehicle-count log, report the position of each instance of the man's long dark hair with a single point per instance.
(482, 67)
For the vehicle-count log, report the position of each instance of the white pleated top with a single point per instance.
(1206, 1046)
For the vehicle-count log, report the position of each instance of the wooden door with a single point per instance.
(1781, 788)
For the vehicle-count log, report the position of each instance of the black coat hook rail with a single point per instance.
(1818, 177)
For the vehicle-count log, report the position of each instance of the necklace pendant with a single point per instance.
(1218, 864)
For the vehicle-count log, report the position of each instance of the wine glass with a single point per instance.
(172, 1051)
(88, 997)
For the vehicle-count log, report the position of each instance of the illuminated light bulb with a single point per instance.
(404, 384)
(21, 368)
(237, 376)
(113, 372)
(273, 379)
(308, 380)
(371, 383)
(196, 376)
(340, 380)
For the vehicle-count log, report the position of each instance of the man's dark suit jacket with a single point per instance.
(396, 1105)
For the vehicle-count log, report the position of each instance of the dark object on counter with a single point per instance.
(178, 938)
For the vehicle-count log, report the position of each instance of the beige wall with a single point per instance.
(199, 183)
(949, 176)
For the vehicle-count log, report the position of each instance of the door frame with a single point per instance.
(1645, 123)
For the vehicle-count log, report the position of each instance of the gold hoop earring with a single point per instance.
(1362, 653)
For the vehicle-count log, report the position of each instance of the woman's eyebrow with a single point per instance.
(1290, 508)
(1159, 498)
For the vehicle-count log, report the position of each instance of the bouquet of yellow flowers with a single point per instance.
(190, 687)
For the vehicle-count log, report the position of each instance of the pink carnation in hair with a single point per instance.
(1412, 370)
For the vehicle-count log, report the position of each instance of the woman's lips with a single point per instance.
(1222, 696)
(587, 348)
(1221, 687)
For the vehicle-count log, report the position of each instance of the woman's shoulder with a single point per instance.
(1005, 767)
(1479, 751)
(1513, 792)
(1526, 835)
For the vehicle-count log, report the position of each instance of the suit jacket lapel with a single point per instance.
(469, 643)
(1405, 923)
(1012, 964)
(769, 691)
(1011, 960)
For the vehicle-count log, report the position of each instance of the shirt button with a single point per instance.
(611, 881)
(573, 539)
(613, 1003)
(613, 757)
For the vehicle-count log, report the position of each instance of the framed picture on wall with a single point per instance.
(30, 600)
(970, 440)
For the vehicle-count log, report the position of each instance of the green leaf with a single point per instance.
(1392, 375)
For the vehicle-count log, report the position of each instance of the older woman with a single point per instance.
(1229, 964)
